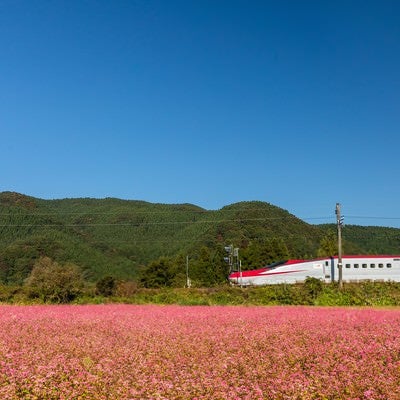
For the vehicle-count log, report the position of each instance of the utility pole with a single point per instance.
(188, 283)
(339, 220)
(240, 272)
(238, 263)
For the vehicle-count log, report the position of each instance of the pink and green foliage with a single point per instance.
(172, 352)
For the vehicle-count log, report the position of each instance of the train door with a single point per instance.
(329, 270)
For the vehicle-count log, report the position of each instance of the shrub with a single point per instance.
(54, 283)
(106, 286)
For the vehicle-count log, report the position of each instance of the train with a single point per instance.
(355, 268)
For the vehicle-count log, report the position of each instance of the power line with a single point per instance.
(183, 210)
(146, 223)
(151, 223)
(347, 236)
(370, 217)
(132, 214)
(143, 212)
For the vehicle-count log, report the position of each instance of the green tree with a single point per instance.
(259, 254)
(209, 267)
(158, 273)
(53, 282)
(179, 271)
(106, 286)
(328, 246)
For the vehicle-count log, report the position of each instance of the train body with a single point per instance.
(354, 269)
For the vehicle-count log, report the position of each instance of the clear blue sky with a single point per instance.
(209, 102)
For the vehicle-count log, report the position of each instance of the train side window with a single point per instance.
(380, 265)
(372, 265)
(347, 265)
(356, 265)
(326, 263)
(388, 265)
(364, 265)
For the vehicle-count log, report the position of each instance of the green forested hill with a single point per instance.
(118, 237)
(368, 239)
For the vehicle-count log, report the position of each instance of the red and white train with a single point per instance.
(354, 269)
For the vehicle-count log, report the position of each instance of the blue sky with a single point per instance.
(205, 102)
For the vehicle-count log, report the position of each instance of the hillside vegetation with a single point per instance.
(148, 243)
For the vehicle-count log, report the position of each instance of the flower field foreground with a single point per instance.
(173, 352)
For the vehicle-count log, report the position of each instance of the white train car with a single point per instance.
(354, 269)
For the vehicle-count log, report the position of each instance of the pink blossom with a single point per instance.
(173, 352)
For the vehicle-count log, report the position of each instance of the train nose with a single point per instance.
(232, 278)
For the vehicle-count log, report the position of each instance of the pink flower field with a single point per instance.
(173, 352)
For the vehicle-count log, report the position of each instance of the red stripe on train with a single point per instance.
(250, 274)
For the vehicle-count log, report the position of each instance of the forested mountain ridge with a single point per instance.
(368, 239)
(122, 237)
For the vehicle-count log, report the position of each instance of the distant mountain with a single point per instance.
(117, 237)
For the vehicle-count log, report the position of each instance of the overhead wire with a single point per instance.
(145, 223)
(138, 224)
(130, 213)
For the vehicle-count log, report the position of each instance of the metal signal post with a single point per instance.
(229, 258)
(233, 260)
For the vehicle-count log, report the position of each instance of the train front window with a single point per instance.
(276, 264)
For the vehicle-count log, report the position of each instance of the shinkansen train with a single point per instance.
(354, 269)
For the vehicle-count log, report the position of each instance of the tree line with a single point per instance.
(55, 282)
